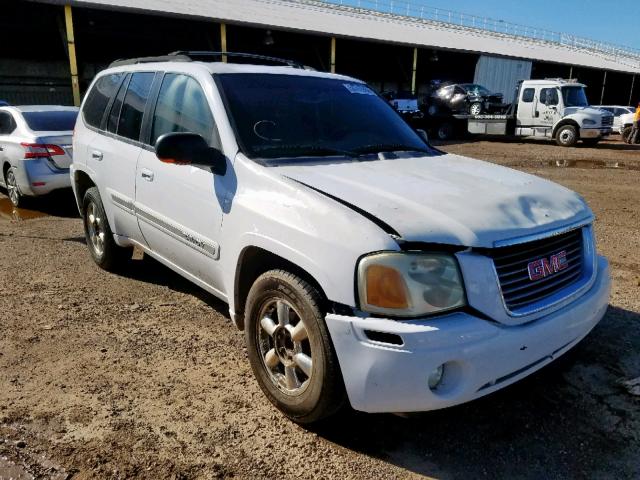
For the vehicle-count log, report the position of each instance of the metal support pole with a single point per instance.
(73, 62)
(571, 72)
(223, 41)
(604, 84)
(633, 81)
(414, 70)
(333, 54)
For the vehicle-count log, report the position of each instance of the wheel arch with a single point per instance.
(252, 262)
(82, 182)
(562, 123)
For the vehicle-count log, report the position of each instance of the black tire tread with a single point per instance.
(333, 398)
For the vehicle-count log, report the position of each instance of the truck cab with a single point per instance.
(559, 109)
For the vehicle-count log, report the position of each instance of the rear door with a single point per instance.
(526, 109)
(179, 210)
(115, 153)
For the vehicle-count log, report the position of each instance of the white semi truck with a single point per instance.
(551, 108)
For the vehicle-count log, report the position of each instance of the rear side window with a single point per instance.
(182, 107)
(7, 123)
(98, 99)
(61, 121)
(134, 104)
(528, 94)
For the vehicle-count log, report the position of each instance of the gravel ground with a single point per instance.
(143, 375)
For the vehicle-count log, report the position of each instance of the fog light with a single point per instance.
(435, 377)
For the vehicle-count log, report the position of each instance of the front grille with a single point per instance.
(512, 266)
(607, 121)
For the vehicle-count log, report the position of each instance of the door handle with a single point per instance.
(96, 155)
(147, 175)
(537, 113)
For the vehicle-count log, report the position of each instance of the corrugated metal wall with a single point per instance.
(502, 74)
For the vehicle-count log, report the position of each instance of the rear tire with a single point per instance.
(567, 136)
(99, 237)
(626, 134)
(445, 131)
(290, 350)
(13, 192)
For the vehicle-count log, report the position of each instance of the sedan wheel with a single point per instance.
(12, 187)
(475, 108)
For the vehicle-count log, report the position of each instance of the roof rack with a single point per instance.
(190, 56)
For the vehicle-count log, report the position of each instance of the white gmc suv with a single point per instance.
(363, 264)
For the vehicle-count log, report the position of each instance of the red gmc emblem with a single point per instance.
(544, 267)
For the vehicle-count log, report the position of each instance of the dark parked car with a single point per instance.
(464, 98)
(406, 104)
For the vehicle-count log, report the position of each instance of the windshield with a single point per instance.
(280, 116)
(574, 97)
(53, 121)
(475, 89)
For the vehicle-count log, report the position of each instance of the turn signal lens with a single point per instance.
(386, 287)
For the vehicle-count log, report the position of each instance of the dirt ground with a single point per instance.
(142, 375)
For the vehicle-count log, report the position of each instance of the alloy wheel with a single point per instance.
(12, 187)
(284, 346)
(95, 228)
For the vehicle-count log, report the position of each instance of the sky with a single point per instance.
(615, 22)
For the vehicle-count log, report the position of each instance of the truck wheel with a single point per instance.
(626, 134)
(475, 108)
(567, 136)
(104, 250)
(591, 142)
(289, 348)
(445, 131)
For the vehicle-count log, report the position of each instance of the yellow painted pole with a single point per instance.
(223, 40)
(73, 62)
(414, 71)
(333, 54)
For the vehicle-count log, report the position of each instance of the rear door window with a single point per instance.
(182, 107)
(98, 99)
(114, 114)
(134, 104)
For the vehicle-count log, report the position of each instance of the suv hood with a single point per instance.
(446, 199)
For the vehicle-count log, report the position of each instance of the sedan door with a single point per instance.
(179, 210)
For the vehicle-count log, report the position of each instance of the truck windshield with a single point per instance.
(574, 97)
(288, 116)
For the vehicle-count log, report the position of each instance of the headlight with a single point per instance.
(587, 121)
(409, 285)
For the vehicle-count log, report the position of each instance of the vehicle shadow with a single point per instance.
(572, 419)
(60, 203)
(612, 144)
(149, 270)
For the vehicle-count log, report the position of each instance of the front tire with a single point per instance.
(475, 108)
(13, 191)
(567, 136)
(99, 237)
(289, 348)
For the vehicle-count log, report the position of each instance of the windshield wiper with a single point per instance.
(388, 147)
(306, 150)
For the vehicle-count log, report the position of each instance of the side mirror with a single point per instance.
(423, 135)
(184, 148)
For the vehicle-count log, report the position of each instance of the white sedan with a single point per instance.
(35, 149)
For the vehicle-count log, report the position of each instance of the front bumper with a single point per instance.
(39, 176)
(479, 356)
(595, 132)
